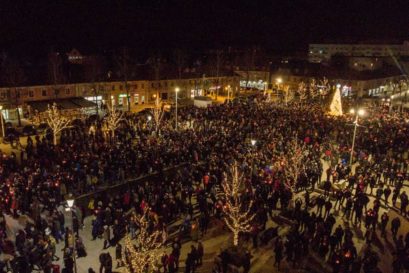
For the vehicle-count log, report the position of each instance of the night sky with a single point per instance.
(33, 26)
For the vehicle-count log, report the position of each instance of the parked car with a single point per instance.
(10, 135)
(29, 130)
(42, 128)
(77, 123)
(92, 119)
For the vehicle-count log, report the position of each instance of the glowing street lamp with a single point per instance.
(358, 113)
(149, 118)
(2, 122)
(253, 142)
(176, 108)
(70, 204)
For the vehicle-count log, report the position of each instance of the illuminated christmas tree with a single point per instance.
(157, 113)
(113, 119)
(293, 162)
(57, 121)
(143, 254)
(237, 215)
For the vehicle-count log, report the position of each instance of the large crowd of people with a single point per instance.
(37, 181)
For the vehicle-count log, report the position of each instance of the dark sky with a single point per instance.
(33, 26)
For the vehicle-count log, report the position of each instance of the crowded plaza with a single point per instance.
(248, 185)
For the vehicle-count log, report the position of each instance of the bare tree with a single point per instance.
(14, 76)
(237, 215)
(55, 71)
(294, 161)
(288, 93)
(144, 256)
(180, 59)
(249, 60)
(96, 72)
(113, 119)
(302, 92)
(218, 63)
(313, 89)
(122, 60)
(325, 87)
(57, 121)
(157, 113)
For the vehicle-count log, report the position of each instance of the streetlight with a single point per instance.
(265, 88)
(149, 118)
(2, 122)
(176, 109)
(228, 93)
(70, 204)
(253, 144)
(358, 113)
(390, 104)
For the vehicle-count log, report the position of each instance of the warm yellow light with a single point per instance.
(352, 111)
(177, 89)
(279, 80)
(361, 112)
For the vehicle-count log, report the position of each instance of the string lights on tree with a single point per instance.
(294, 162)
(325, 87)
(57, 121)
(113, 119)
(157, 113)
(237, 215)
(302, 91)
(143, 254)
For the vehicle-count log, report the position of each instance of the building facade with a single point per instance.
(114, 93)
(371, 87)
(323, 52)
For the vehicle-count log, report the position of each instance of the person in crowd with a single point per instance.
(199, 158)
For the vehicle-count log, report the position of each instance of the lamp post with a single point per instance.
(228, 93)
(176, 108)
(148, 125)
(70, 204)
(390, 103)
(279, 81)
(358, 113)
(2, 122)
(265, 88)
(253, 145)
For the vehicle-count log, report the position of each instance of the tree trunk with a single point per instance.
(18, 117)
(235, 238)
(55, 138)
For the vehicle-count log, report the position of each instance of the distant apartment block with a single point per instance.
(323, 52)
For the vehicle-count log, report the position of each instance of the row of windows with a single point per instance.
(30, 93)
(67, 91)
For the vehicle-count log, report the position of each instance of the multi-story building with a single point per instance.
(29, 99)
(351, 84)
(323, 52)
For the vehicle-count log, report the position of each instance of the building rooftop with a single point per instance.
(317, 70)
